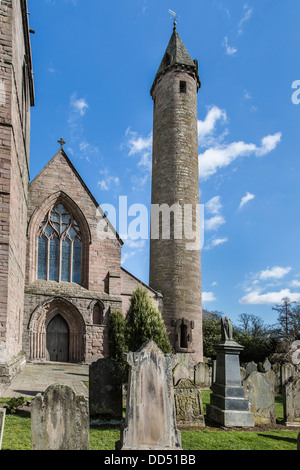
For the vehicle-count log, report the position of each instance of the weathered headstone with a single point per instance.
(243, 373)
(228, 405)
(202, 375)
(180, 371)
(251, 367)
(267, 365)
(291, 401)
(287, 371)
(2, 421)
(59, 420)
(105, 390)
(188, 404)
(259, 390)
(150, 421)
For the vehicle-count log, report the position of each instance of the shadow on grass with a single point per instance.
(279, 438)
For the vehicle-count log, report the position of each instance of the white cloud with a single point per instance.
(246, 199)
(79, 105)
(138, 144)
(268, 298)
(277, 272)
(214, 223)
(135, 243)
(246, 17)
(213, 206)
(229, 49)
(220, 156)
(142, 147)
(108, 182)
(295, 283)
(208, 297)
(207, 127)
(214, 242)
(269, 143)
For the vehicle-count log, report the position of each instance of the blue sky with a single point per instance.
(94, 64)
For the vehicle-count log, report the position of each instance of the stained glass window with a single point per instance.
(77, 261)
(53, 259)
(42, 263)
(59, 246)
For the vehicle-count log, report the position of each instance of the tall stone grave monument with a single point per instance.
(59, 420)
(150, 421)
(228, 405)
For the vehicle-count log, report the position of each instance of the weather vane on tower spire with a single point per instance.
(175, 17)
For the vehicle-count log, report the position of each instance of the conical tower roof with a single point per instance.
(176, 54)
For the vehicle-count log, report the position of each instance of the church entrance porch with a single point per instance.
(57, 332)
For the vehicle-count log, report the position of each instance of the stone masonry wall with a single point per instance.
(14, 173)
(101, 260)
(174, 269)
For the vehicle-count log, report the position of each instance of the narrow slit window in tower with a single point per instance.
(183, 336)
(182, 87)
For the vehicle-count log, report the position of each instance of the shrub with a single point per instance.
(116, 336)
(144, 322)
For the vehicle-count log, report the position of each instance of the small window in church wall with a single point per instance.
(97, 314)
(59, 247)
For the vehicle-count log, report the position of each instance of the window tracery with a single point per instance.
(59, 246)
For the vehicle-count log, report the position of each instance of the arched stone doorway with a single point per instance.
(57, 332)
(57, 340)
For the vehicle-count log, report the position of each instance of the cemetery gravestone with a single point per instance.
(260, 391)
(59, 420)
(267, 365)
(105, 390)
(180, 371)
(251, 367)
(202, 375)
(188, 404)
(291, 401)
(150, 421)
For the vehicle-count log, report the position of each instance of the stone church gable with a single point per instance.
(77, 306)
(60, 182)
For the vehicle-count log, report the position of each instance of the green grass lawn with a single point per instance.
(17, 435)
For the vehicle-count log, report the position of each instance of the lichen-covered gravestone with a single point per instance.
(291, 401)
(188, 404)
(59, 420)
(105, 390)
(150, 421)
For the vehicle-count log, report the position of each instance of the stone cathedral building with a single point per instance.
(58, 279)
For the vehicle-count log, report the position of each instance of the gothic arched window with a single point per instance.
(59, 247)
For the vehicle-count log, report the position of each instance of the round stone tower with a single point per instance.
(175, 266)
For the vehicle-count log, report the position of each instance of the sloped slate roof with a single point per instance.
(176, 54)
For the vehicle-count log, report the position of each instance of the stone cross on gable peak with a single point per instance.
(61, 142)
